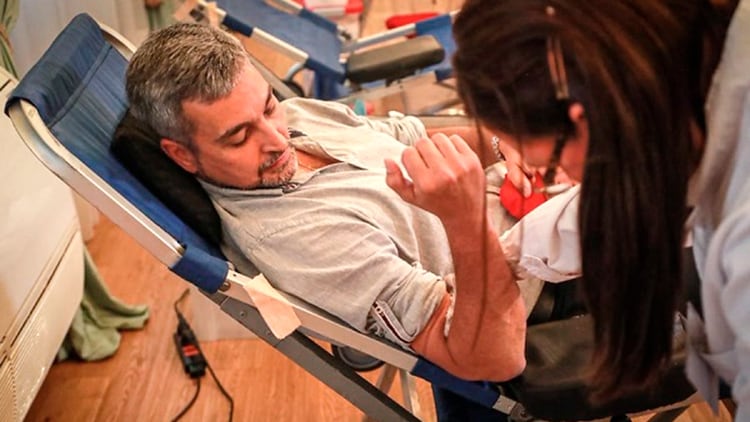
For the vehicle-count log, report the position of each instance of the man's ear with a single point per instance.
(180, 154)
(577, 115)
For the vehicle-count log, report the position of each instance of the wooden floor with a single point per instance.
(144, 381)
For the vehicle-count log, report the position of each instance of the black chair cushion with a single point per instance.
(137, 147)
(554, 384)
(394, 61)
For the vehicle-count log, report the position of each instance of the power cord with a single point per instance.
(187, 345)
(193, 361)
(191, 402)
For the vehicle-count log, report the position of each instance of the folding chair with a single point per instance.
(66, 110)
(318, 44)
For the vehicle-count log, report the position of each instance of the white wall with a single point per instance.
(40, 21)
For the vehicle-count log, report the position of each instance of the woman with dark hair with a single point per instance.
(614, 92)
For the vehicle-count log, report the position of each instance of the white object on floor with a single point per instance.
(41, 268)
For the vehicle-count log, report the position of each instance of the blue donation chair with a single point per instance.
(344, 68)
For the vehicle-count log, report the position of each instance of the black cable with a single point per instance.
(184, 328)
(192, 401)
(180, 299)
(223, 392)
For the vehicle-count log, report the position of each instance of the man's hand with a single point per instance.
(447, 178)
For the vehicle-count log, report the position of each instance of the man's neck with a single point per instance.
(312, 162)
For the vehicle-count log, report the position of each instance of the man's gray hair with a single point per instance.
(183, 62)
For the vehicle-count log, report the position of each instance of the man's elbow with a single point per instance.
(511, 369)
(496, 364)
(494, 370)
(500, 359)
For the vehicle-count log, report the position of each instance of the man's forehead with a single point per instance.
(248, 80)
(244, 105)
(250, 72)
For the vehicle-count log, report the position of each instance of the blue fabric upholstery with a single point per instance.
(440, 27)
(484, 393)
(308, 32)
(78, 87)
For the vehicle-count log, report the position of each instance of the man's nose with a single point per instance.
(275, 140)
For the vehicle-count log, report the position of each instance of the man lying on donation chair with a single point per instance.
(300, 188)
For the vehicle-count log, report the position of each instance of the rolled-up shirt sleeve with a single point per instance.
(353, 271)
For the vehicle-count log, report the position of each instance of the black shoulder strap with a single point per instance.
(691, 282)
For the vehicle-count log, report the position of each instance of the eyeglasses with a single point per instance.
(554, 161)
(556, 64)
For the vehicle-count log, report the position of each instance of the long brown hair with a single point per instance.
(639, 69)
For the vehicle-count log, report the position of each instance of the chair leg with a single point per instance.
(384, 383)
(409, 391)
(318, 362)
(385, 380)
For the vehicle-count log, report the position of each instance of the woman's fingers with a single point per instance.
(519, 178)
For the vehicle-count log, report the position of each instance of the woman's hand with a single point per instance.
(519, 173)
(523, 176)
(447, 178)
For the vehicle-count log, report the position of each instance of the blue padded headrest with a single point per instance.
(78, 87)
(63, 68)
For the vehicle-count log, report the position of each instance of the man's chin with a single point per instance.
(271, 184)
(263, 184)
(280, 178)
(274, 182)
(278, 181)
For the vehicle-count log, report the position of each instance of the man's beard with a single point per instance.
(281, 175)
(275, 179)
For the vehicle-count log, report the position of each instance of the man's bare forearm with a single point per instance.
(487, 334)
(489, 318)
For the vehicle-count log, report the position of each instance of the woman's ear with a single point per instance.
(577, 115)
(180, 154)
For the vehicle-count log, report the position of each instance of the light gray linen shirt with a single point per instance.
(721, 231)
(340, 238)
